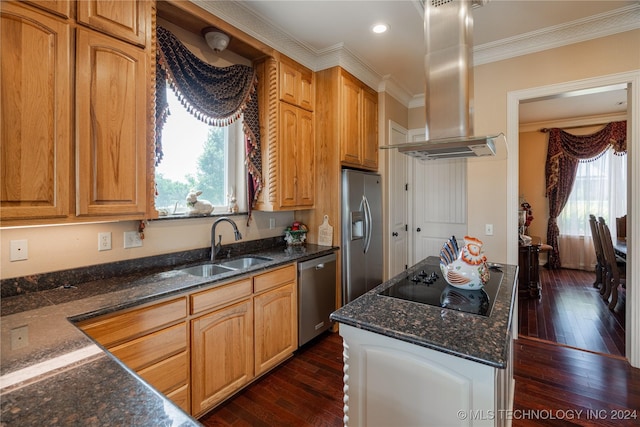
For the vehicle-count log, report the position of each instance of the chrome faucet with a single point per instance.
(215, 247)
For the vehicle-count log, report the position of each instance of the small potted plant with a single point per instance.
(295, 234)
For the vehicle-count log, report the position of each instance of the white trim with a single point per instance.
(632, 78)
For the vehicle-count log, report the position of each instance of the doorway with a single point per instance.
(514, 99)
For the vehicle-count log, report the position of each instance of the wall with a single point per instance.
(54, 248)
(487, 178)
(531, 182)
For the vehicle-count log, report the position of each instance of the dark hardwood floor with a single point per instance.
(571, 312)
(555, 384)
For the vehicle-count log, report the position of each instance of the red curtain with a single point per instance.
(563, 154)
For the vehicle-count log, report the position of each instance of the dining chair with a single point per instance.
(614, 277)
(600, 261)
(621, 228)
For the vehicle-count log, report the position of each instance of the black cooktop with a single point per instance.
(429, 287)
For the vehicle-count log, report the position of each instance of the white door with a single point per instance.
(398, 207)
(438, 195)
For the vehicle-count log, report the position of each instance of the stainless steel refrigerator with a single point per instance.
(361, 233)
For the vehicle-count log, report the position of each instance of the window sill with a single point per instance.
(187, 216)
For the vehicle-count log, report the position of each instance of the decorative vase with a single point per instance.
(465, 267)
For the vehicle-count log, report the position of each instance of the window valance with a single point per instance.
(217, 96)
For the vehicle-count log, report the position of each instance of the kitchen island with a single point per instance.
(53, 373)
(411, 364)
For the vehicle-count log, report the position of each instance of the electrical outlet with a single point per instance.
(19, 250)
(488, 229)
(104, 241)
(132, 239)
(272, 223)
(19, 337)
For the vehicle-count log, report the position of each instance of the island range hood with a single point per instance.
(448, 26)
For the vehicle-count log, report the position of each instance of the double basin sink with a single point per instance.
(212, 269)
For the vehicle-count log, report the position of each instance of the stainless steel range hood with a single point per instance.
(448, 26)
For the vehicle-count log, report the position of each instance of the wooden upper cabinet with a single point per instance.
(35, 144)
(287, 136)
(369, 129)
(62, 8)
(359, 115)
(351, 103)
(111, 119)
(296, 85)
(297, 157)
(124, 19)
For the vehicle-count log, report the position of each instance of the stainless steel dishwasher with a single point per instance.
(316, 296)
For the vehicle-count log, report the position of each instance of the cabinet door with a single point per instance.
(305, 161)
(350, 107)
(111, 126)
(297, 157)
(307, 90)
(369, 129)
(35, 144)
(276, 326)
(59, 7)
(288, 142)
(289, 84)
(222, 354)
(124, 19)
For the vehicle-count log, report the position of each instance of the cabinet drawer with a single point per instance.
(221, 295)
(274, 278)
(168, 374)
(113, 329)
(181, 398)
(152, 348)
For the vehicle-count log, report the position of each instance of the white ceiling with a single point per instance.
(322, 33)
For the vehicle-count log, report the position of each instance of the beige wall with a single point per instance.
(531, 180)
(54, 248)
(487, 178)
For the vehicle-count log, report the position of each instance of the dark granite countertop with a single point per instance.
(470, 336)
(62, 377)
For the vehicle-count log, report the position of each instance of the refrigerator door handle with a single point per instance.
(367, 223)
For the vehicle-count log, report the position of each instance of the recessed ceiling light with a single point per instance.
(380, 28)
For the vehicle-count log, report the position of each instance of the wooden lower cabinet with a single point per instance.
(150, 342)
(202, 347)
(276, 327)
(222, 354)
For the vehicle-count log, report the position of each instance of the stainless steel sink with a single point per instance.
(244, 262)
(206, 270)
(213, 269)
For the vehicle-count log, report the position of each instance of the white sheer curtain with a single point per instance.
(600, 189)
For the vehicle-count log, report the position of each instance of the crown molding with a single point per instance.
(593, 27)
(243, 18)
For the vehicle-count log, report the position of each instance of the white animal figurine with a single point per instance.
(198, 207)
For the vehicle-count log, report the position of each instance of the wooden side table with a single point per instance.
(529, 275)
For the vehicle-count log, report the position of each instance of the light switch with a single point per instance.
(488, 229)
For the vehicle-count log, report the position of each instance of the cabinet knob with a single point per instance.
(394, 234)
(418, 229)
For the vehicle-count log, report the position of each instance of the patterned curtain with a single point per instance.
(563, 154)
(217, 96)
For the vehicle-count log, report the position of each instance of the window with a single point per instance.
(200, 157)
(600, 188)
